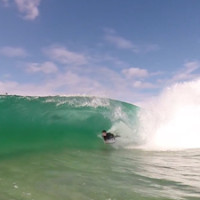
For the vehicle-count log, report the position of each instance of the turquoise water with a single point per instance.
(50, 148)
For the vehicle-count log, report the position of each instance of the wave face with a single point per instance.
(35, 123)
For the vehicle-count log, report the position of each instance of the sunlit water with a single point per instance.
(101, 174)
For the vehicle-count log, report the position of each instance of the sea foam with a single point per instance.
(172, 121)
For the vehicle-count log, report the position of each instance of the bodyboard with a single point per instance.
(110, 141)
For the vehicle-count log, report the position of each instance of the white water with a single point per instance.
(172, 121)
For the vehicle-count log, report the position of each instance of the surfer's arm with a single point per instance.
(117, 136)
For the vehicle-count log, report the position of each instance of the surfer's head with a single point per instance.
(104, 133)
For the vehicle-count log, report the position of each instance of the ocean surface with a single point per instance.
(51, 149)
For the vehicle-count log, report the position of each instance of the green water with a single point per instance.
(28, 123)
(50, 148)
(101, 174)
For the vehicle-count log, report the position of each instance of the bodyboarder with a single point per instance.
(107, 136)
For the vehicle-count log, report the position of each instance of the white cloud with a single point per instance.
(29, 8)
(13, 51)
(73, 83)
(103, 82)
(119, 42)
(62, 83)
(137, 78)
(187, 72)
(46, 67)
(122, 43)
(135, 73)
(95, 79)
(7, 86)
(192, 66)
(143, 85)
(13, 87)
(64, 56)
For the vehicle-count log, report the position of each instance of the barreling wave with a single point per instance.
(39, 123)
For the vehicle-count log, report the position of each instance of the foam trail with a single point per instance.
(172, 121)
(125, 125)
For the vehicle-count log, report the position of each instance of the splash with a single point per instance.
(172, 121)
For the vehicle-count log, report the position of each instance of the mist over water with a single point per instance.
(172, 121)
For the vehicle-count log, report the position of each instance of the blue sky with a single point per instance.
(128, 50)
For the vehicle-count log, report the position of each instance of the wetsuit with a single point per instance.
(108, 136)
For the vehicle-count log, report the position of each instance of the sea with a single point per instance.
(51, 149)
